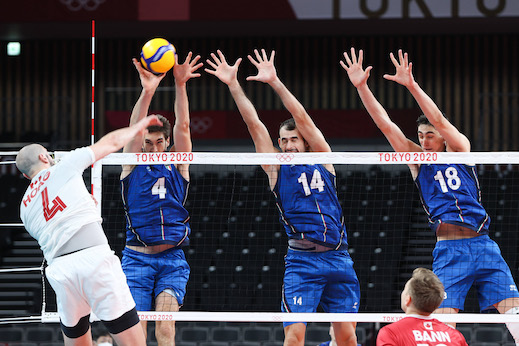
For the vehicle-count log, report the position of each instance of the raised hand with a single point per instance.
(266, 70)
(149, 81)
(404, 70)
(225, 72)
(353, 66)
(185, 71)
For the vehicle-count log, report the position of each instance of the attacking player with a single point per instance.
(318, 268)
(422, 294)
(464, 254)
(153, 196)
(61, 215)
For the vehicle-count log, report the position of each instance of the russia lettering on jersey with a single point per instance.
(309, 208)
(153, 198)
(451, 194)
(415, 330)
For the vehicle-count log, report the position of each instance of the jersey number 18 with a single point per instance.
(453, 181)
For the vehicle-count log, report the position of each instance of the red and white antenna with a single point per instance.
(95, 178)
(92, 141)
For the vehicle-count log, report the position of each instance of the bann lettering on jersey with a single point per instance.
(430, 335)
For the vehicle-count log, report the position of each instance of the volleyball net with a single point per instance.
(237, 243)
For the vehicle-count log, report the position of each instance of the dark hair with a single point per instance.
(423, 120)
(426, 290)
(289, 124)
(165, 128)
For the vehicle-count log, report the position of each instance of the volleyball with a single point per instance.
(158, 55)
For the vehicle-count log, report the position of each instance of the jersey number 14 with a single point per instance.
(316, 183)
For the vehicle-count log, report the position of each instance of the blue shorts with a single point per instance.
(319, 278)
(476, 261)
(150, 274)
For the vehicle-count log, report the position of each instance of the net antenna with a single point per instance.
(95, 179)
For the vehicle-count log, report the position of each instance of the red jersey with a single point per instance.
(415, 330)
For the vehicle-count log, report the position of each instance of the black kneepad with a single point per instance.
(78, 330)
(120, 324)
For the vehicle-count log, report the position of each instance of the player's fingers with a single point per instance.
(361, 56)
(237, 62)
(353, 55)
(210, 71)
(188, 57)
(212, 64)
(388, 77)
(197, 66)
(272, 55)
(347, 58)
(195, 60)
(251, 59)
(258, 57)
(222, 57)
(392, 57)
(215, 58)
(400, 56)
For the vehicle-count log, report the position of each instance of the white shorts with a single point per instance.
(89, 280)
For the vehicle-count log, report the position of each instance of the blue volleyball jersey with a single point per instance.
(153, 198)
(306, 196)
(451, 194)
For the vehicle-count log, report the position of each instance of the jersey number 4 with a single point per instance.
(316, 183)
(159, 188)
(453, 181)
(57, 205)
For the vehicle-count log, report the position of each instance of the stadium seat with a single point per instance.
(8, 334)
(40, 334)
(361, 334)
(225, 334)
(257, 334)
(194, 334)
(317, 334)
(489, 334)
(466, 331)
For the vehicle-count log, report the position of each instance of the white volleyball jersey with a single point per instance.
(57, 204)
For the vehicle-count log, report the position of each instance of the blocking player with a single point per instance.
(422, 294)
(61, 215)
(153, 196)
(318, 267)
(464, 254)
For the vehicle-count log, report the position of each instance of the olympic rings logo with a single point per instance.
(201, 124)
(284, 157)
(76, 5)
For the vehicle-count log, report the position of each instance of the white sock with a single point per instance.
(513, 327)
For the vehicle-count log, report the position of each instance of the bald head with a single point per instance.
(28, 159)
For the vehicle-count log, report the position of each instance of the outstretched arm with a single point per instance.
(456, 141)
(183, 73)
(305, 125)
(228, 75)
(149, 83)
(181, 132)
(359, 78)
(115, 140)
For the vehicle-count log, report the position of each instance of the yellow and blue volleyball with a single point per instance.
(158, 55)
